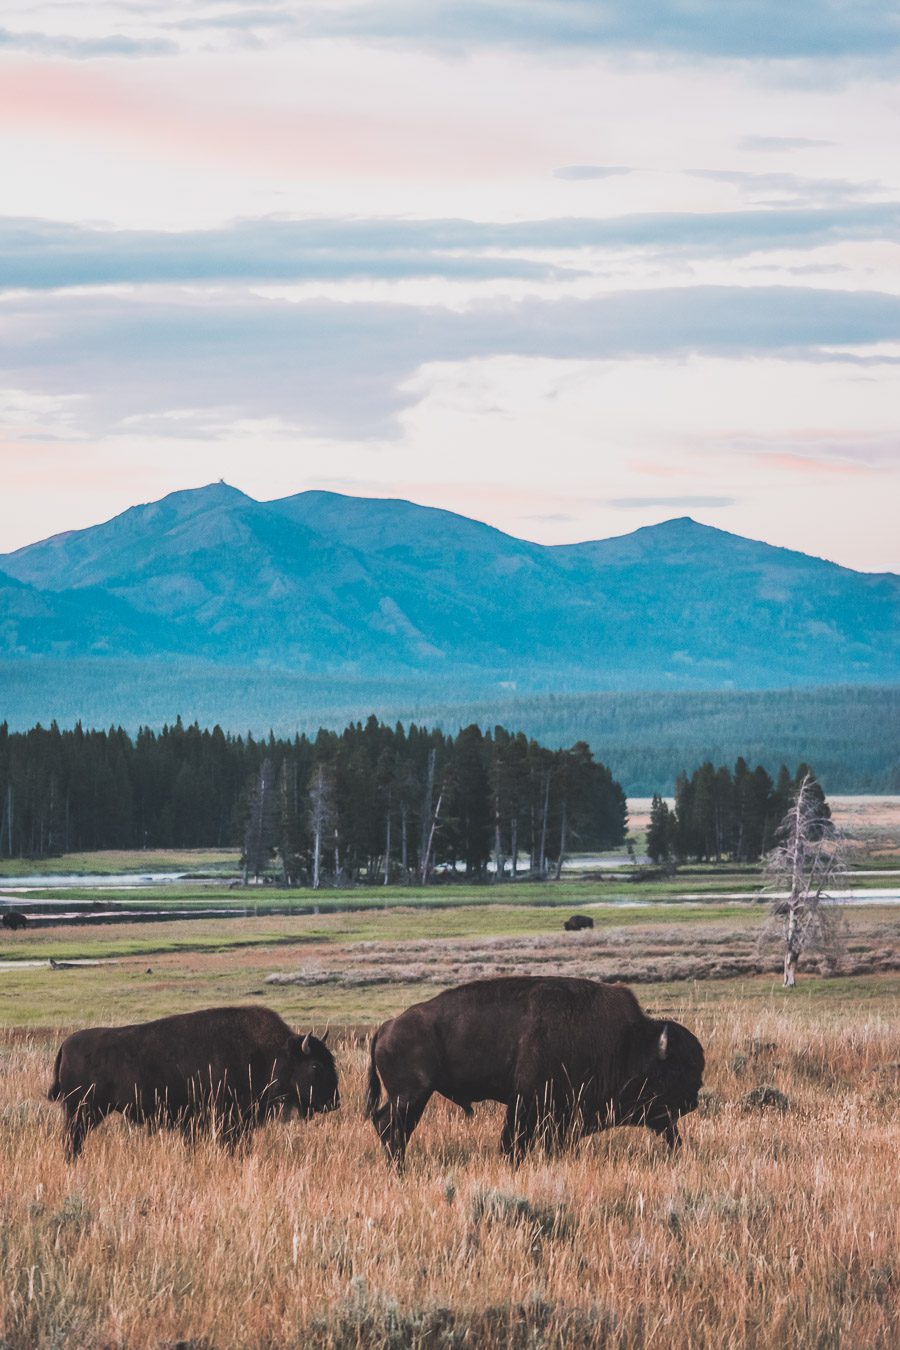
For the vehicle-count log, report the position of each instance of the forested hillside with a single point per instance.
(849, 733)
(370, 801)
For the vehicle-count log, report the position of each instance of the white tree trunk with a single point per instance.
(791, 944)
(790, 968)
(404, 850)
(542, 855)
(426, 861)
(498, 855)
(387, 851)
(317, 859)
(562, 840)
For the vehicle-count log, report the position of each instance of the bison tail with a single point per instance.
(55, 1091)
(373, 1097)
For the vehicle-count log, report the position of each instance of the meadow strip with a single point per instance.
(774, 1226)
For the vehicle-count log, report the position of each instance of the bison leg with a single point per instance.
(395, 1122)
(81, 1117)
(668, 1128)
(236, 1134)
(519, 1130)
(557, 1132)
(673, 1138)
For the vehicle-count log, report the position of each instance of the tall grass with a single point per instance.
(774, 1227)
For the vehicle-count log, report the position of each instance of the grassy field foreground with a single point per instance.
(775, 1226)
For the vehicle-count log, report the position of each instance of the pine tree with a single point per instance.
(659, 833)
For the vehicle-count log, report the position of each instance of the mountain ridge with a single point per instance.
(323, 581)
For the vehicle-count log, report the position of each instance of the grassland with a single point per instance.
(773, 1227)
(110, 861)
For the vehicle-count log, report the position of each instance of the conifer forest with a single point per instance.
(371, 802)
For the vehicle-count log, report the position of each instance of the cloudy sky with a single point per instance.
(568, 266)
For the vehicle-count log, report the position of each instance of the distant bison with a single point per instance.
(567, 1057)
(577, 922)
(223, 1069)
(14, 920)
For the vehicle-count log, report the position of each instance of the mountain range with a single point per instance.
(321, 583)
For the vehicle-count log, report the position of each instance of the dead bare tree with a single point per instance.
(800, 873)
(259, 834)
(321, 816)
(426, 857)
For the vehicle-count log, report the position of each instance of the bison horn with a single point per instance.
(305, 1046)
(664, 1041)
(324, 1037)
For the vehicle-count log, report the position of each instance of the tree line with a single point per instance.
(645, 736)
(720, 814)
(372, 802)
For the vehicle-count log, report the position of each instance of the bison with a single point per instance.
(577, 922)
(222, 1069)
(567, 1057)
(14, 920)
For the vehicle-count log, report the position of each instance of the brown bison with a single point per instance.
(14, 920)
(223, 1069)
(567, 1057)
(577, 922)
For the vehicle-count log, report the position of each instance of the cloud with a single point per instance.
(236, 21)
(347, 368)
(835, 452)
(808, 191)
(577, 172)
(742, 29)
(822, 31)
(551, 517)
(45, 255)
(777, 144)
(638, 503)
(49, 44)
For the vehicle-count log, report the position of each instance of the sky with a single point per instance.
(567, 266)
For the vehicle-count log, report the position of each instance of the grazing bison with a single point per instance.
(223, 1069)
(14, 920)
(567, 1057)
(577, 922)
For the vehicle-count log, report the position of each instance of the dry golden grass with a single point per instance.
(640, 953)
(872, 827)
(770, 1229)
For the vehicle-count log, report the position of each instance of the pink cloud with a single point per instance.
(806, 464)
(208, 121)
(660, 468)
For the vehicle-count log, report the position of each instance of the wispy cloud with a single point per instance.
(82, 48)
(817, 451)
(793, 187)
(747, 30)
(577, 172)
(780, 144)
(40, 254)
(639, 503)
(47, 254)
(341, 368)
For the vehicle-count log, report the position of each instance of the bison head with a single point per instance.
(307, 1078)
(666, 1079)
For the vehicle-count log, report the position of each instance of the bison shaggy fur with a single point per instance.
(224, 1070)
(567, 1057)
